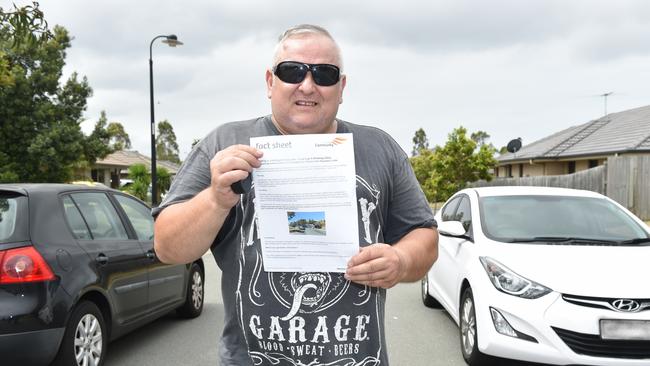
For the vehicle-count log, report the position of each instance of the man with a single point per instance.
(270, 318)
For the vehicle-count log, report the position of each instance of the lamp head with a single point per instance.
(172, 41)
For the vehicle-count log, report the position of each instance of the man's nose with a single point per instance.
(307, 85)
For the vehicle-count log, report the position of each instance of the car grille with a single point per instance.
(593, 345)
(609, 303)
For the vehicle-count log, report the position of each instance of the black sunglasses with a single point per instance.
(293, 72)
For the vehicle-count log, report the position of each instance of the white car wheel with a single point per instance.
(428, 300)
(468, 332)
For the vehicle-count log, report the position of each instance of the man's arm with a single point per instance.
(383, 265)
(186, 230)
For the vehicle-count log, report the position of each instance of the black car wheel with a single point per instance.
(468, 332)
(85, 339)
(193, 305)
(428, 300)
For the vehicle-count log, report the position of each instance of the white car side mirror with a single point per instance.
(452, 228)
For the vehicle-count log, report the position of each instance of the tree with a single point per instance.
(480, 137)
(166, 146)
(109, 137)
(28, 22)
(40, 136)
(420, 142)
(23, 25)
(163, 182)
(423, 168)
(141, 181)
(119, 139)
(449, 168)
(97, 145)
(459, 162)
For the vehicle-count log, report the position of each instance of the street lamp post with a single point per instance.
(172, 41)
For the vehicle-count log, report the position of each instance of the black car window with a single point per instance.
(7, 217)
(14, 217)
(139, 215)
(75, 221)
(100, 215)
(464, 213)
(448, 211)
(13, 210)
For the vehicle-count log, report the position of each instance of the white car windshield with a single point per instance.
(559, 219)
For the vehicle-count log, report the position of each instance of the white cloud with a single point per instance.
(511, 68)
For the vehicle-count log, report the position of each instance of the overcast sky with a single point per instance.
(511, 68)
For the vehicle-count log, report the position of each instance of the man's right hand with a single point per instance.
(186, 230)
(228, 166)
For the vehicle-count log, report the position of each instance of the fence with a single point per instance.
(625, 179)
(628, 183)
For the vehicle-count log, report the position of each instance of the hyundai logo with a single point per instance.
(626, 305)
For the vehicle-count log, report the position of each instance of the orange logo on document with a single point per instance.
(339, 140)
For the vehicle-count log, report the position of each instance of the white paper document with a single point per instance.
(305, 199)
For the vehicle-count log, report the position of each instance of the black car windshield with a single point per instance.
(558, 219)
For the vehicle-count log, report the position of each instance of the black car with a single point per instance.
(78, 269)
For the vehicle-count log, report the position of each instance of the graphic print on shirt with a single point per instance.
(309, 318)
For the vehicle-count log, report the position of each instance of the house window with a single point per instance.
(509, 171)
(593, 163)
(521, 170)
(572, 167)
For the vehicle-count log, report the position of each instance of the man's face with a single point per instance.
(305, 107)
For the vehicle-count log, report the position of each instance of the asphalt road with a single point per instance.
(416, 336)
(310, 231)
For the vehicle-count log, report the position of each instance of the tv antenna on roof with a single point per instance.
(605, 95)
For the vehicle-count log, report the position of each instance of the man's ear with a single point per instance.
(269, 83)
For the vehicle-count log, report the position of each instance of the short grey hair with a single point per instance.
(305, 29)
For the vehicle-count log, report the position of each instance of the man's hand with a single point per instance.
(377, 265)
(186, 230)
(383, 265)
(228, 166)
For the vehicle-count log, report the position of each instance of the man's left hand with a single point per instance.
(377, 265)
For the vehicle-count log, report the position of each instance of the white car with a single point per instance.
(549, 275)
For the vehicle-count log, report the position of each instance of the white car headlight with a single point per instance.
(507, 281)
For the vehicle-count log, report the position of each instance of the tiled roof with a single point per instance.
(627, 131)
(126, 158)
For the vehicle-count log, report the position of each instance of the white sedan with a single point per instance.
(550, 275)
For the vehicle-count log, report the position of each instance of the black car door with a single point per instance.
(119, 261)
(166, 282)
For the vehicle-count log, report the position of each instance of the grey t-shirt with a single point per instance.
(339, 323)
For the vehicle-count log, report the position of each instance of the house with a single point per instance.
(114, 167)
(581, 147)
